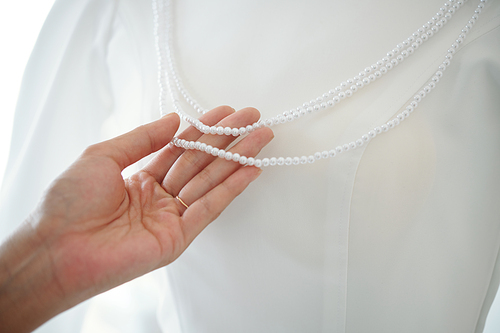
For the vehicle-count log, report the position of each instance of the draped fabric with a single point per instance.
(399, 235)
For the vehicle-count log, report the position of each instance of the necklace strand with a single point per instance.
(328, 99)
(243, 160)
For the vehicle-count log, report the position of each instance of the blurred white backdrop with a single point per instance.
(20, 23)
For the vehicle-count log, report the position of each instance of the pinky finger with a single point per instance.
(207, 208)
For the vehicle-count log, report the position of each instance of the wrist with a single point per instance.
(30, 291)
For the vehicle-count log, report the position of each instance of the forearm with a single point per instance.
(30, 292)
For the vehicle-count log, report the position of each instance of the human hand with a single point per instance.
(99, 230)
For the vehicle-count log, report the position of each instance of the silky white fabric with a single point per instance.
(400, 235)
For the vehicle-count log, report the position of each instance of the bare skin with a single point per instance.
(94, 230)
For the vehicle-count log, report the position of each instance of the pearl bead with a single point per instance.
(288, 161)
(332, 153)
(280, 161)
(359, 142)
(250, 161)
(317, 156)
(372, 134)
(221, 153)
(265, 162)
(384, 127)
(212, 150)
(272, 161)
(303, 159)
(414, 104)
(400, 117)
(310, 159)
(354, 88)
(296, 160)
(346, 147)
(243, 160)
(236, 157)
(257, 163)
(227, 130)
(405, 113)
(242, 131)
(378, 129)
(417, 98)
(249, 128)
(235, 131)
(203, 146)
(339, 149)
(220, 130)
(324, 154)
(348, 93)
(365, 138)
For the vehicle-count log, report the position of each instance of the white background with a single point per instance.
(20, 22)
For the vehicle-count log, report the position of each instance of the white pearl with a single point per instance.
(372, 134)
(243, 160)
(405, 113)
(384, 127)
(296, 160)
(324, 154)
(346, 147)
(280, 161)
(365, 138)
(332, 153)
(378, 130)
(352, 145)
(354, 88)
(439, 74)
(257, 163)
(235, 131)
(288, 161)
(341, 95)
(265, 162)
(317, 155)
(220, 130)
(310, 159)
(400, 117)
(236, 157)
(432, 85)
(339, 149)
(359, 142)
(348, 93)
(212, 150)
(414, 104)
(203, 146)
(191, 145)
(222, 153)
(409, 108)
(227, 130)
(303, 159)
(272, 161)
(242, 131)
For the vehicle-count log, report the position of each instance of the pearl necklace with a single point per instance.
(368, 75)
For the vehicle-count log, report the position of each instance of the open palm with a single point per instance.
(106, 230)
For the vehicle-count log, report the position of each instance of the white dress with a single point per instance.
(399, 235)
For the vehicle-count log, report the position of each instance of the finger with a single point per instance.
(217, 171)
(164, 160)
(191, 162)
(208, 208)
(130, 147)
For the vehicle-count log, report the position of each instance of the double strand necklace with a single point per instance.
(169, 80)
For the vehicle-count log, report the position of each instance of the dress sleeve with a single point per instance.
(64, 99)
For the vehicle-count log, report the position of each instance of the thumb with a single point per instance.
(130, 147)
